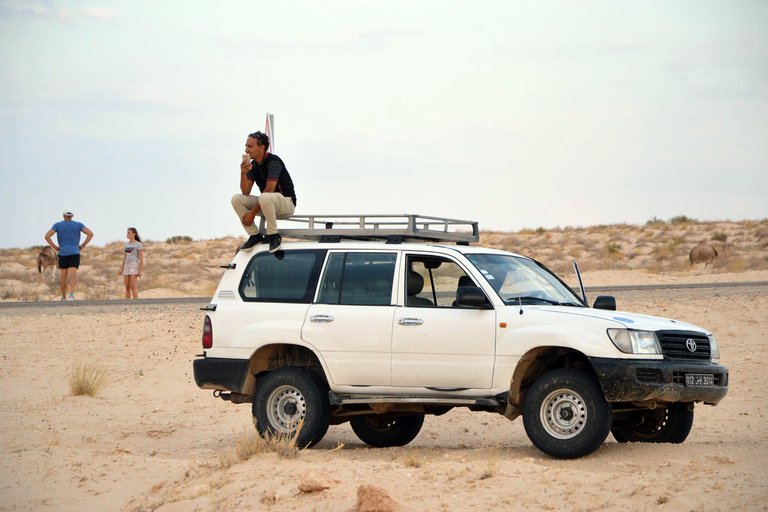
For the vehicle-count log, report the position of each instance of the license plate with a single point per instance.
(699, 380)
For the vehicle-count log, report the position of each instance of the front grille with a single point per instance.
(674, 345)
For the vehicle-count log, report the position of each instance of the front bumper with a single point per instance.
(625, 380)
(223, 374)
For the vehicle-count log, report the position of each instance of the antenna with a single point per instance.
(270, 131)
(581, 284)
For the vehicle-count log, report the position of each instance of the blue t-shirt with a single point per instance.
(68, 234)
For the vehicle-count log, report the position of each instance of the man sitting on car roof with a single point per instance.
(277, 198)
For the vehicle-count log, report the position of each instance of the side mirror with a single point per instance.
(471, 297)
(605, 302)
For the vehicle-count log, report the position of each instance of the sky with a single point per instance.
(515, 114)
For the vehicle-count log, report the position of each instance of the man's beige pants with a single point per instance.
(273, 205)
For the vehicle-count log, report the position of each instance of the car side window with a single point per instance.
(357, 278)
(433, 281)
(290, 277)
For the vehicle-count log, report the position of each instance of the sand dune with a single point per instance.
(621, 252)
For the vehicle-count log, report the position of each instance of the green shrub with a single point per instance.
(179, 239)
(654, 220)
(681, 219)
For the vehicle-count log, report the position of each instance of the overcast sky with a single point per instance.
(515, 114)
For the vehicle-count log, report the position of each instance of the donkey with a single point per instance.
(47, 260)
(702, 253)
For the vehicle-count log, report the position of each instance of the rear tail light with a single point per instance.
(207, 332)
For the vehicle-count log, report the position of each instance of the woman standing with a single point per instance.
(133, 263)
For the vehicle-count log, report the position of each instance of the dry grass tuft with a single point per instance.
(412, 460)
(494, 463)
(249, 443)
(87, 378)
(227, 458)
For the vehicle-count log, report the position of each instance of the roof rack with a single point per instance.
(392, 228)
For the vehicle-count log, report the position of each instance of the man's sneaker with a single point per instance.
(71, 296)
(275, 242)
(252, 240)
(63, 298)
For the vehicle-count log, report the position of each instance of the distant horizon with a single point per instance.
(164, 239)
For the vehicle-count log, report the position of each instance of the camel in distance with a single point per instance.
(705, 253)
(47, 259)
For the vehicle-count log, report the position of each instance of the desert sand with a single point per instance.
(152, 441)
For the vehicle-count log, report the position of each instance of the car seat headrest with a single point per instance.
(415, 283)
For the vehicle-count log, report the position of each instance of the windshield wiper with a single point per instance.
(514, 300)
(530, 297)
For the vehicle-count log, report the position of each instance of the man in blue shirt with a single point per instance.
(68, 235)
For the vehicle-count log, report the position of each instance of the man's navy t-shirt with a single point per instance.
(272, 169)
(68, 234)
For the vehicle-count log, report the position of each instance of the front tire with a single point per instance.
(566, 415)
(290, 396)
(670, 424)
(384, 431)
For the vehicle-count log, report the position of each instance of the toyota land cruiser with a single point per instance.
(380, 320)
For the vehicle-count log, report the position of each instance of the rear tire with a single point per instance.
(670, 424)
(565, 414)
(384, 431)
(288, 396)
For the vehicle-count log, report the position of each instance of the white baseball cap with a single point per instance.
(68, 212)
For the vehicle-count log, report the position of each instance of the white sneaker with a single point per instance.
(71, 297)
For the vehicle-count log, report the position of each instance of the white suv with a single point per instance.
(361, 325)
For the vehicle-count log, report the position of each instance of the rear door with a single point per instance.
(350, 321)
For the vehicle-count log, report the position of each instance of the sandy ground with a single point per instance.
(151, 439)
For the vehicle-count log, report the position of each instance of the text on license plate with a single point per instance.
(699, 379)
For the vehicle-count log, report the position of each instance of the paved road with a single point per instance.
(202, 301)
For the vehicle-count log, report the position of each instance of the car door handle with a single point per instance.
(321, 319)
(410, 321)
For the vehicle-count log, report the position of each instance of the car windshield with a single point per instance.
(522, 281)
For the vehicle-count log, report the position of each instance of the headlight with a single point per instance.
(635, 342)
(714, 350)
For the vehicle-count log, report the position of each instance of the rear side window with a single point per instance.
(358, 279)
(290, 277)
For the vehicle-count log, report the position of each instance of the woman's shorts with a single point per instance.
(72, 261)
(131, 268)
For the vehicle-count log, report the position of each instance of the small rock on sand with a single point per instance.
(374, 499)
(311, 484)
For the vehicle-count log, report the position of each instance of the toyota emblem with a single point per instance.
(691, 345)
